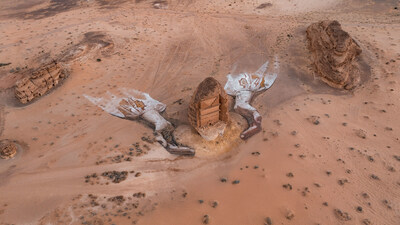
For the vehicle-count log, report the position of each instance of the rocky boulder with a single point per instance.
(39, 82)
(334, 54)
(7, 150)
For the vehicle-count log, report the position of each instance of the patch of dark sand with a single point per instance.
(53, 8)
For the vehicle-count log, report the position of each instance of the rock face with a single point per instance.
(208, 109)
(334, 53)
(8, 150)
(40, 82)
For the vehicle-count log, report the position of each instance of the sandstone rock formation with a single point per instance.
(7, 150)
(48, 76)
(208, 109)
(40, 82)
(334, 54)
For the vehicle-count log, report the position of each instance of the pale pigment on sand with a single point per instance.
(243, 87)
(133, 104)
(111, 103)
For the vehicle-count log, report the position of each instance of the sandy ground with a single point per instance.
(345, 170)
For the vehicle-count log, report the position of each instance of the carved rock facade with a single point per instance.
(208, 109)
(40, 82)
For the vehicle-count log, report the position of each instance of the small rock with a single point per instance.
(328, 173)
(268, 221)
(264, 5)
(115, 176)
(287, 186)
(361, 133)
(4, 64)
(314, 119)
(375, 177)
(342, 215)
(366, 222)
(387, 204)
(139, 195)
(365, 195)
(117, 199)
(160, 4)
(179, 101)
(236, 182)
(289, 215)
(342, 181)
(206, 219)
(278, 122)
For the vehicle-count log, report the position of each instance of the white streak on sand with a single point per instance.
(110, 102)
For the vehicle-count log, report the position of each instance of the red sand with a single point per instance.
(166, 52)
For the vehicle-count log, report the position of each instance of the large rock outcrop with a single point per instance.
(208, 109)
(334, 54)
(48, 76)
(40, 82)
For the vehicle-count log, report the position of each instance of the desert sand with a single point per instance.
(324, 156)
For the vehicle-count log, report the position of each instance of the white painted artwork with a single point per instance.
(133, 104)
(243, 86)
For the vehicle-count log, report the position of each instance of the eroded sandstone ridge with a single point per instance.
(208, 109)
(7, 150)
(40, 82)
(334, 54)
